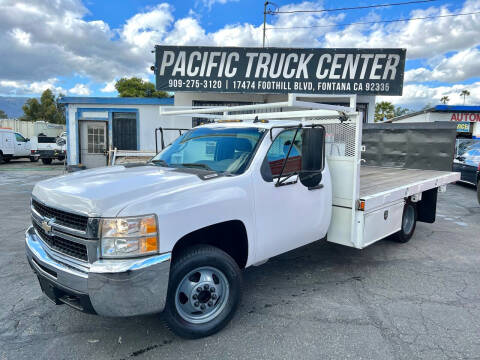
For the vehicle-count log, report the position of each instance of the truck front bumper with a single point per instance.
(106, 287)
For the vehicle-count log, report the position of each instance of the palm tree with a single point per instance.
(445, 99)
(464, 93)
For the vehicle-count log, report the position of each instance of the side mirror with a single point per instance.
(27, 139)
(313, 151)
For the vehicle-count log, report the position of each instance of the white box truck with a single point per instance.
(174, 234)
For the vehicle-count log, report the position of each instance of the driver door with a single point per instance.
(290, 215)
(22, 146)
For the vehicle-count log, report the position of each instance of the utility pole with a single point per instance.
(264, 20)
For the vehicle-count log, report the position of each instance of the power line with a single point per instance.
(350, 8)
(371, 22)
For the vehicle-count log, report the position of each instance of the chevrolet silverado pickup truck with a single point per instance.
(174, 234)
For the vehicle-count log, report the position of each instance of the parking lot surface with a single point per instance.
(322, 301)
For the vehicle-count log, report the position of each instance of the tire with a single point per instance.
(409, 223)
(202, 267)
(7, 159)
(478, 191)
(1, 158)
(33, 158)
(47, 161)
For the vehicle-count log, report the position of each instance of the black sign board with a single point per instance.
(280, 70)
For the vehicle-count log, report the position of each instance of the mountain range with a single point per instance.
(12, 105)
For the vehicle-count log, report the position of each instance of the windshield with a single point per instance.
(468, 151)
(219, 149)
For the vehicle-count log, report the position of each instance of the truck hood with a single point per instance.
(106, 191)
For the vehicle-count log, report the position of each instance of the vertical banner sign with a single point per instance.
(280, 70)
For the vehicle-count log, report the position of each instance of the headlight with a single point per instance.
(129, 236)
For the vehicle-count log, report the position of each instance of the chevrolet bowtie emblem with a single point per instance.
(47, 225)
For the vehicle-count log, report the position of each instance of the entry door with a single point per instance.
(93, 143)
(291, 215)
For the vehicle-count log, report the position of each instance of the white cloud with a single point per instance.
(459, 67)
(80, 89)
(209, 3)
(421, 38)
(416, 96)
(12, 87)
(44, 39)
(148, 28)
(21, 36)
(109, 87)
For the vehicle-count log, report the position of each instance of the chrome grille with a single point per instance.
(74, 221)
(64, 246)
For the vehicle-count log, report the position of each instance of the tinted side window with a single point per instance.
(278, 152)
(20, 138)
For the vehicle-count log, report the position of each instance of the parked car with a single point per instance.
(468, 165)
(14, 145)
(48, 149)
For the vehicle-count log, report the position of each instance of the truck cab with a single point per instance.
(174, 234)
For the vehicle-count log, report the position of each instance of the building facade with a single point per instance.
(466, 117)
(96, 125)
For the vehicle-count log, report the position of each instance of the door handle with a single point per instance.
(319, 186)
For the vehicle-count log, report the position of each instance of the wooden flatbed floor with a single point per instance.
(375, 180)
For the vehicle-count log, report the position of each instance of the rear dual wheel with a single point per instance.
(409, 222)
(204, 292)
(47, 161)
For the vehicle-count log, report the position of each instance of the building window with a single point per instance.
(96, 140)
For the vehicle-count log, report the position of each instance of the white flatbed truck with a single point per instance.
(173, 234)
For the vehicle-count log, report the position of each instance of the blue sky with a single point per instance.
(81, 47)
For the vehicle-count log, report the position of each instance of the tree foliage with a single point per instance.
(399, 111)
(47, 109)
(136, 87)
(3, 115)
(444, 99)
(464, 93)
(384, 110)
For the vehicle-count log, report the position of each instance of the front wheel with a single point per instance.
(409, 222)
(47, 161)
(203, 293)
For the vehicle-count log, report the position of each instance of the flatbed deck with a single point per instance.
(381, 185)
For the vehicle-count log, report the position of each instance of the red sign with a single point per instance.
(465, 117)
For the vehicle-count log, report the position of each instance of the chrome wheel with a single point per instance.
(408, 219)
(201, 295)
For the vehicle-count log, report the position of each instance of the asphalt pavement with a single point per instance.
(419, 300)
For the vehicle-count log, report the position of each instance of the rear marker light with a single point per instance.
(361, 205)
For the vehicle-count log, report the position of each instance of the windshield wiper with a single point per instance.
(200, 165)
(159, 162)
